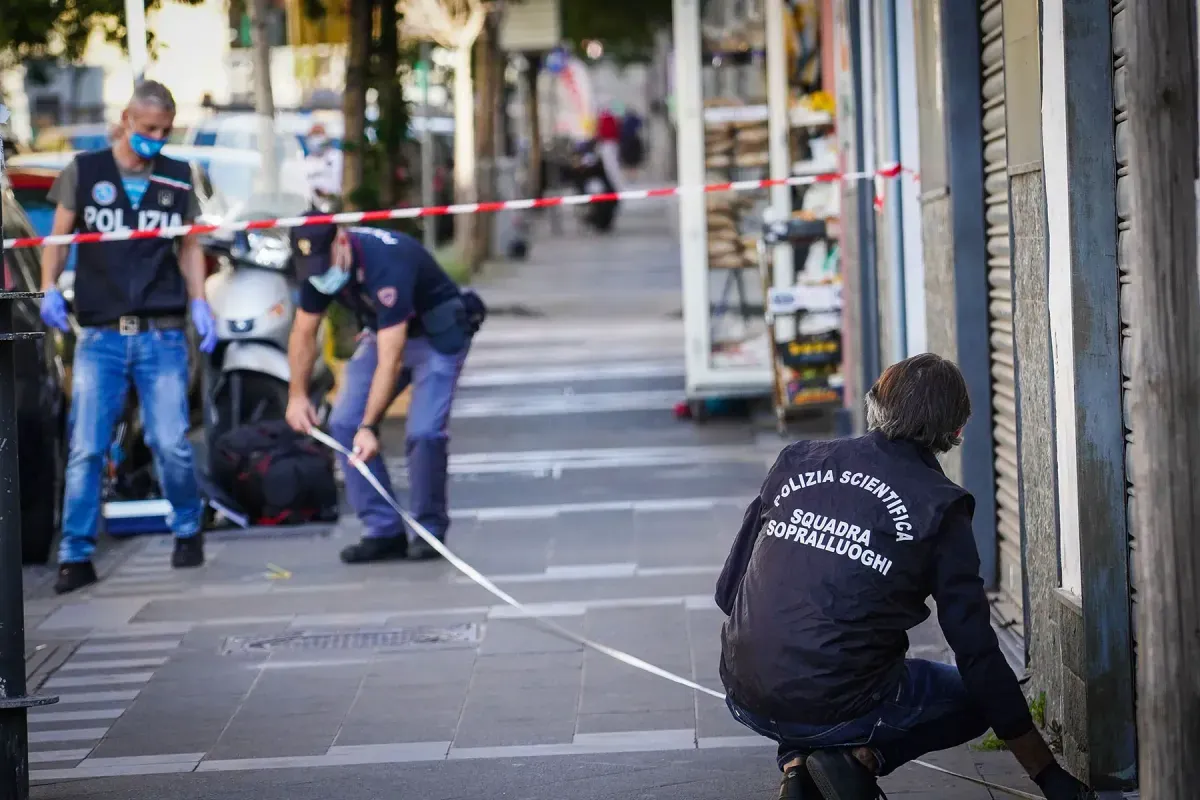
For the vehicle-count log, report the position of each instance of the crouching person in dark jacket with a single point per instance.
(834, 563)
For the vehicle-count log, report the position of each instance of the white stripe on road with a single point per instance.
(466, 407)
(551, 511)
(149, 646)
(554, 462)
(114, 663)
(48, 717)
(72, 735)
(521, 376)
(540, 332)
(413, 752)
(571, 354)
(121, 696)
(598, 572)
(57, 756)
(117, 679)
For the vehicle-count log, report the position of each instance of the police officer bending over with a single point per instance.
(131, 302)
(834, 562)
(417, 327)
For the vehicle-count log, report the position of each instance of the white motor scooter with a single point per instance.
(254, 295)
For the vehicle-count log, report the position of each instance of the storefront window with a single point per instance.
(735, 149)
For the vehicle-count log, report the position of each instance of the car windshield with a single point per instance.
(233, 182)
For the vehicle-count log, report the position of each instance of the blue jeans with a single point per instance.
(433, 376)
(931, 711)
(106, 364)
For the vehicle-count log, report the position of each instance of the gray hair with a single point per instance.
(153, 93)
(923, 399)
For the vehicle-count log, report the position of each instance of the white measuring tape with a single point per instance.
(554, 627)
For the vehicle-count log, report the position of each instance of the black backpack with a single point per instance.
(275, 475)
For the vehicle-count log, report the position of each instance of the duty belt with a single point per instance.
(133, 325)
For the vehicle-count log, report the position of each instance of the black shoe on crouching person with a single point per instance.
(72, 577)
(838, 775)
(797, 785)
(376, 548)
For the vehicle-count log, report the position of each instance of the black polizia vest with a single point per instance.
(136, 277)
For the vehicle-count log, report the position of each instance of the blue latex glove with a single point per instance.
(54, 311)
(205, 325)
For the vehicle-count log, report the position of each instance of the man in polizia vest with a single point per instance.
(132, 300)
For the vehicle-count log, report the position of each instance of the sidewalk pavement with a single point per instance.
(277, 673)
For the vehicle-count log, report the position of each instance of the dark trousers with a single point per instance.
(931, 711)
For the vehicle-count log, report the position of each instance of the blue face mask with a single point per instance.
(331, 281)
(146, 147)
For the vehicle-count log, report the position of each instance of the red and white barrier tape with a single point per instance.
(354, 217)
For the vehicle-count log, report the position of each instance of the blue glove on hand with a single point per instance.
(205, 325)
(54, 311)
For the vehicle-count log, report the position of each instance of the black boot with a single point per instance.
(377, 548)
(420, 550)
(797, 785)
(189, 552)
(838, 775)
(74, 576)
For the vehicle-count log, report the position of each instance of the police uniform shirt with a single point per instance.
(833, 564)
(393, 279)
(134, 277)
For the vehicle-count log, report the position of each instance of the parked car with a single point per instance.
(89, 136)
(224, 177)
(239, 132)
(31, 187)
(40, 398)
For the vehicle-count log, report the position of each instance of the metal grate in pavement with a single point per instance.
(425, 636)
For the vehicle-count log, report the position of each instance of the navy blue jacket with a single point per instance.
(395, 279)
(834, 563)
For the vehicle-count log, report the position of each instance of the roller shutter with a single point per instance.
(1000, 317)
(1120, 38)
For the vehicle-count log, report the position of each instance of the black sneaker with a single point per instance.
(420, 550)
(838, 775)
(797, 785)
(378, 548)
(74, 576)
(189, 552)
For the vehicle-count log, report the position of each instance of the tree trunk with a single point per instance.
(487, 88)
(354, 101)
(392, 121)
(464, 148)
(1163, 124)
(264, 100)
(533, 125)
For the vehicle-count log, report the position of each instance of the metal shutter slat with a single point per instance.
(1000, 322)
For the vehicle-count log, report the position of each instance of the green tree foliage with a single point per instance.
(625, 27)
(34, 29)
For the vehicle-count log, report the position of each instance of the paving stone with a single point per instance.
(512, 637)
(594, 538)
(714, 720)
(636, 721)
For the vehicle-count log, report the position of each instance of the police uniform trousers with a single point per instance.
(433, 377)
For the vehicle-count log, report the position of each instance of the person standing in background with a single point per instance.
(323, 169)
(132, 302)
(608, 146)
(633, 146)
